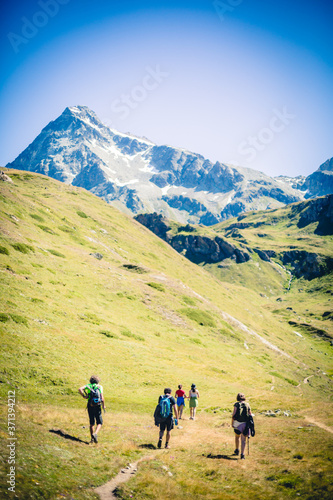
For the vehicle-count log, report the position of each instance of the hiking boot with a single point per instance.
(236, 452)
(242, 456)
(159, 444)
(92, 441)
(167, 446)
(95, 437)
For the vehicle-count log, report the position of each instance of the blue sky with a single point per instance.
(241, 81)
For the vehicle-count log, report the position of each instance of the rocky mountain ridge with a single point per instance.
(229, 242)
(137, 176)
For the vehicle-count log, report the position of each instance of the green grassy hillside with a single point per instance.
(291, 260)
(86, 289)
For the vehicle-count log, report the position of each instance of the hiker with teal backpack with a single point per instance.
(164, 416)
(93, 392)
(240, 422)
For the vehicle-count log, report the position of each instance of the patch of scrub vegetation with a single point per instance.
(56, 253)
(4, 317)
(195, 341)
(134, 268)
(109, 334)
(23, 248)
(66, 229)
(21, 320)
(46, 229)
(229, 333)
(126, 295)
(290, 381)
(82, 214)
(203, 318)
(36, 265)
(128, 333)
(37, 217)
(91, 318)
(157, 286)
(4, 250)
(189, 300)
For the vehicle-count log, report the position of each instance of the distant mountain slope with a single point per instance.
(298, 236)
(321, 181)
(138, 176)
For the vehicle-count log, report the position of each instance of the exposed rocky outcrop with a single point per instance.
(320, 182)
(307, 265)
(196, 248)
(318, 210)
(4, 177)
(156, 223)
(201, 249)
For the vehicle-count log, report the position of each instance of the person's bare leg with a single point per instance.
(167, 439)
(160, 437)
(98, 428)
(243, 443)
(237, 442)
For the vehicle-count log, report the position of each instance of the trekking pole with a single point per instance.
(248, 445)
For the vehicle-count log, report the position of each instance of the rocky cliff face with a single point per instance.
(320, 182)
(308, 265)
(198, 249)
(138, 176)
(318, 210)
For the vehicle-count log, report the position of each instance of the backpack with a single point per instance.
(242, 412)
(162, 410)
(95, 396)
(165, 406)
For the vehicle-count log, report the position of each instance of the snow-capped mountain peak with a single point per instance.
(136, 175)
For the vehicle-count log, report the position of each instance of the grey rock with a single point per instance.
(320, 182)
(97, 255)
(4, 177)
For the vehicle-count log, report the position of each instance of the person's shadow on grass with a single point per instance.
(147, 446)
(224, 457)
(67, 436)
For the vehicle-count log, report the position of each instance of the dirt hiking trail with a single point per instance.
(319, 424)
(107, 490)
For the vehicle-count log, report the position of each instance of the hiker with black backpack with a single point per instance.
(164, 417)
(239, 421)
(93, 392)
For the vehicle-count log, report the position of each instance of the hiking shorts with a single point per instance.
(95, 413)
(168, 424)
(240, 429)
(180, 401)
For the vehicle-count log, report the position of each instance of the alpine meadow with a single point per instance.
(87, 289)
